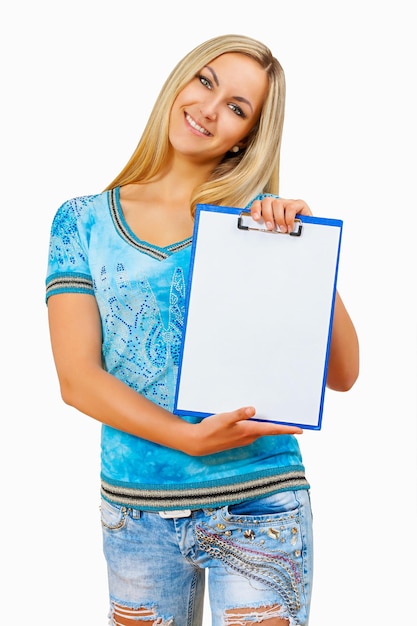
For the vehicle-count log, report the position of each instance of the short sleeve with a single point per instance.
(68, 268)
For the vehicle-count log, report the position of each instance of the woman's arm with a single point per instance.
(343, 366)
(75, 331)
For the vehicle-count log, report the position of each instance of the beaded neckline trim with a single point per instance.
(124, 232)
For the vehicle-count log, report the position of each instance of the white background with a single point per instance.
(78, 82)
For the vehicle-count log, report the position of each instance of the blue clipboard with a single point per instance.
(259, 313)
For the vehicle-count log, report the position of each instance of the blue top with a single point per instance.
(140, 291)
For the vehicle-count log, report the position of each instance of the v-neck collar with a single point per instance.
(129, 236)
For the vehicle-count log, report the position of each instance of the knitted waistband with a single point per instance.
(202, 497)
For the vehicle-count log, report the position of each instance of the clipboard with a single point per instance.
(258, 319)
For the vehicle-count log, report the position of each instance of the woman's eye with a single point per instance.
(236, 109)
(204, 81)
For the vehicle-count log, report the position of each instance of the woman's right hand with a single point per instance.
(234, 429)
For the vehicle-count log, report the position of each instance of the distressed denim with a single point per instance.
(258, 553)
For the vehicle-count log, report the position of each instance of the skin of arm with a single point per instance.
(343, 365)
(75, 331)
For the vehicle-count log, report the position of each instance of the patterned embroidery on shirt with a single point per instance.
(65, 245)
(140, 348)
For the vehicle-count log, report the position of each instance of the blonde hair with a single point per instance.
(236, 179)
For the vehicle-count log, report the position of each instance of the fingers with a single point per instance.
(279, 212)
(259, 428)
(224, 431)
(243, 413)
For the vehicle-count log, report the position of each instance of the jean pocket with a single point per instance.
(112, 517)
(274, 505)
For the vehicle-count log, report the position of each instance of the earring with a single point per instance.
(235, 149)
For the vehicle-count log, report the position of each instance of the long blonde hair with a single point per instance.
(236, 179)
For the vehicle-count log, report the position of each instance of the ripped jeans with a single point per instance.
(258, 554)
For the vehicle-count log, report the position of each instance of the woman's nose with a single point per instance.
(209, 109)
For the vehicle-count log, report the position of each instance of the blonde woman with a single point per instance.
(181, 495)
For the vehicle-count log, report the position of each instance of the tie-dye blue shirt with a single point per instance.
(140, 290)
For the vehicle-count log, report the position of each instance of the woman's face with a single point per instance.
(218, 108)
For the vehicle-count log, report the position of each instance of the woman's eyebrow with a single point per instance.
(240, 99)
(213, 73)
(216, 80)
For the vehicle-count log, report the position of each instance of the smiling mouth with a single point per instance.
(196, 126)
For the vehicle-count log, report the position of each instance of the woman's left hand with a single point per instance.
(279, 212)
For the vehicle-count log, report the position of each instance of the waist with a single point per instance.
(214, 494)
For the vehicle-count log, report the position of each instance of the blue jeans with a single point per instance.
(258, 554)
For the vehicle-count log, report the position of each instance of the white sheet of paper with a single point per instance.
(259, 316)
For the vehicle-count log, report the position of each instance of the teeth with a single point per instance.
(195, 125)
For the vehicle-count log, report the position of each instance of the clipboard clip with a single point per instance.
(245, 222)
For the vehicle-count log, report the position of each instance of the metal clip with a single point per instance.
(245, 222)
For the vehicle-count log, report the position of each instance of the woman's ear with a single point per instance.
(241, 145)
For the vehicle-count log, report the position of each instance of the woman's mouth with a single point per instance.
(196, 126)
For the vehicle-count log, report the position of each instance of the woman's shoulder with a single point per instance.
(74, 212)
(79, 204)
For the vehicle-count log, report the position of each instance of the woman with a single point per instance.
(180, 495)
